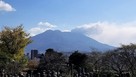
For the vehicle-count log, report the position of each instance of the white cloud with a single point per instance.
(110, 33)
(41, 27)
(5, 6)
(91, 29)
(105, 32)
(65, 30)
(46, 24)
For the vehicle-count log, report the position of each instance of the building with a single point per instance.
(34, 54)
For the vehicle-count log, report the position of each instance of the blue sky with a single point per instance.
(111, 17)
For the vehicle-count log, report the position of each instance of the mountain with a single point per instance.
(65, 42)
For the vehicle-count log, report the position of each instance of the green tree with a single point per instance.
(12, 43)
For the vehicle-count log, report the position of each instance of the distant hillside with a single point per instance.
(65, 42)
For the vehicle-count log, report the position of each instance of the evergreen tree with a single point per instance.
(78, 59)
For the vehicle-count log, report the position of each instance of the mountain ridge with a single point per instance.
(65, 42)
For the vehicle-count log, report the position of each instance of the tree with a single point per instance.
(95, 61)
(117, 62)
(42, 63)
(78, 59)
(54, 59)
(3, 60)
(12, 43)
(128, 53)
(33, 64)
(121, 60)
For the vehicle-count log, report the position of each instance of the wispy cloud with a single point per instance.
(5, 6)
(41, 27)
(110, 33)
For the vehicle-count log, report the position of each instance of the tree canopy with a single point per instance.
(13, 41)
(12, 44)
(54, 59)
(78, 59)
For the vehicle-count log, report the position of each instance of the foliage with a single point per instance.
(13, 41)
(128, 53)
(41, 65)
(121, 60)
(54, 59)
(12, 44)
(95, 60)
(116, 62)
(33, 64)
(78, 59)
(3, 60)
